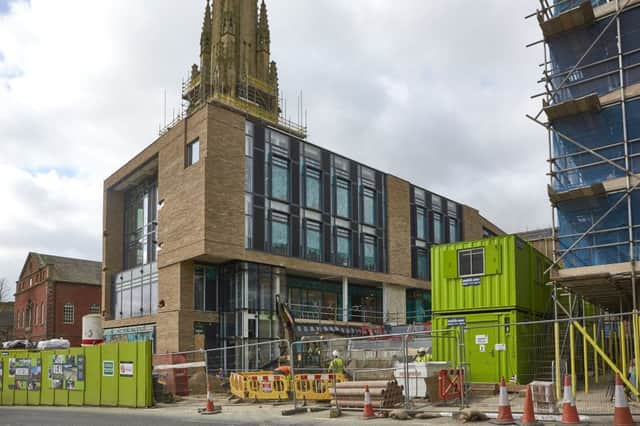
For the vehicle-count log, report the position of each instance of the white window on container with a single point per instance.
(471, 262)
(68, 312)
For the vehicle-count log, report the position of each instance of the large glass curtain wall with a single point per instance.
(135, 292)
(305, 202)
(140, 215)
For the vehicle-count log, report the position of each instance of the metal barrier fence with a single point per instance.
(468, 359)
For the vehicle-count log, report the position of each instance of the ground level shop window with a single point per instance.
(471, 262)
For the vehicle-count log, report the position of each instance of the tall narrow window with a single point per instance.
(437, 228)
(369, 253)
(343, 247)
(422, 262)
(193, 153)
(421, 233)
(313, 189)
(280, 178)
(68, 313)
(343, 198)
(453, 230)
(248, 152)
(205, 286)
(313, 238)
(279, 233)
(248, 221)
(368, 204)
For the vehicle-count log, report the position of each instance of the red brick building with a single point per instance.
(53, 293)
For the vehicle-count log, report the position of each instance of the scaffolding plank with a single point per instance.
(588, 103)
(594, 190)
(571, 19)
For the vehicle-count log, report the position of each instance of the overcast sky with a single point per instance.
(431, 91)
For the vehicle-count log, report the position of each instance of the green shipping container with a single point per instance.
(500, 273)
(495, 347)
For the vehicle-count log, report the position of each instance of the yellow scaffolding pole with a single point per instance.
(604, 356)
(636, 344)
(604, 344)
(572, 355)
(556, 338)
(623, 345)
(595, 354)
(585, 354)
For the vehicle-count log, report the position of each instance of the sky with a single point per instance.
(434, 92)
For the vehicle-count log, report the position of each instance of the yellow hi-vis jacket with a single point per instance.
(336, 366)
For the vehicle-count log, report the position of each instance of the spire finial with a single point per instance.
(205, 36)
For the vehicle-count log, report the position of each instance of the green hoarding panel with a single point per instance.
(75, 376)
(143, 375)
(34, 384)
(46, 389)
(109, 373)
(93, 373)
(128, 369)
(19, 367)
(56, 381)
(7, 394)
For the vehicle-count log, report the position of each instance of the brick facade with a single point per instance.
(40, 298)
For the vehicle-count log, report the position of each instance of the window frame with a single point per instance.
(343, 184)
(282, 219)
(346, 234)
(314, 227)
(280, 162)
(471, 253)
(369, 194)
(190, 159)
(68, 310)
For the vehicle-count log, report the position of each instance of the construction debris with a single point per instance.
(468, 416)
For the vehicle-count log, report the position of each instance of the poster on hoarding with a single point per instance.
(35, 375)
(19, 371)
(67, 372)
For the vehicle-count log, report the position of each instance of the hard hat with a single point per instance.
(421, 349)
(336, 353)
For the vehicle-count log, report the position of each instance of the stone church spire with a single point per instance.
(235, 62)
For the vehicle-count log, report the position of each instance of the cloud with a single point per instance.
(433, 92)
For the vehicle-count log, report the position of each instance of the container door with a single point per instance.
(483, 361)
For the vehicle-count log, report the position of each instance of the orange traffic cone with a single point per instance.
(367, 411)
(528, 417)
(505, 417)
(209, 408)
(622, 414)
(569, 410)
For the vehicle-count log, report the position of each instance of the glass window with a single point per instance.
(453, 230)
(421, 223)
(422, 261)
(280, 178)
(368, 204)
(279, 233)
(248, 221)
(193, 152)
(436, 202)
(140, 224)
(313, 189)
(343, 247)
(205, 287)
(248, 174)
(313, 246)
(94, 309)
(369, 253)
(471, 262)
(68, 313)
(437, 228)
(343, 198)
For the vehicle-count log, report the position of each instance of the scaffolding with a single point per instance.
(591, 99)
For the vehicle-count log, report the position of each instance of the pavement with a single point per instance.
(186, 412)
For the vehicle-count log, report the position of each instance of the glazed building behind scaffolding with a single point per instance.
(592, 102)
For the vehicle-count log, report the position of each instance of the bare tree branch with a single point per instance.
(5, 291)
